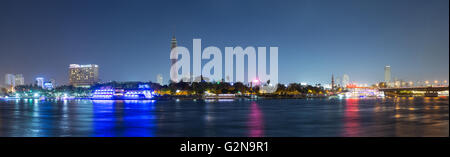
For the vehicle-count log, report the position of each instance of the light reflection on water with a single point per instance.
(256, 124)
(351, 118)
(250, 118)
(129, 118)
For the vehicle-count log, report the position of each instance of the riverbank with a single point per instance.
(198, 97)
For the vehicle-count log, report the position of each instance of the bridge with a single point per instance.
(408, 91)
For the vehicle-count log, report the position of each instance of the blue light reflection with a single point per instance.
(130, 118)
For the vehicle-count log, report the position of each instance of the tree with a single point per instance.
(240, 87)
(281, 89)
(199, 87)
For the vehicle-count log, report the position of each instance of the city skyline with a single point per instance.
(319, 39)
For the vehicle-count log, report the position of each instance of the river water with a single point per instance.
(224, 118)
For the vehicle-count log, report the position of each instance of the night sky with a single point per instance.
(130, 39)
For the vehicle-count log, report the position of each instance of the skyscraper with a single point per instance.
(10, 80)
(40, 82)
(173, 44)
(83, 75)
(345, 80)
(387, 74)
(19, 80)
(159, 79)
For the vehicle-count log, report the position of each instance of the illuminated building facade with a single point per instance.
(40, 82)
(83, 75)
(19, 80)
(387, 74)
(10, 80)
(48, 85)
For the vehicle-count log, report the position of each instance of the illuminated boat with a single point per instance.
(122, 94)
(219, 96)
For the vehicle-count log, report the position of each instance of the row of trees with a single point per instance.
(179, 88)
(30, 90)
(199, 88)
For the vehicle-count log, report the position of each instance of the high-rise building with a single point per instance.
(345, 80)
(83, 75)
(159, 79)
(19, 80)
(40, 82)
(387, 74)
(173, 44)
(10, 80)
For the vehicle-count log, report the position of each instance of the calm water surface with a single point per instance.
(280, 117)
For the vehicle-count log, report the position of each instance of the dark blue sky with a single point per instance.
(130, 39)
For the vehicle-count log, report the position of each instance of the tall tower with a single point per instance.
(332, 81)
(387, 74)
(173, 44)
